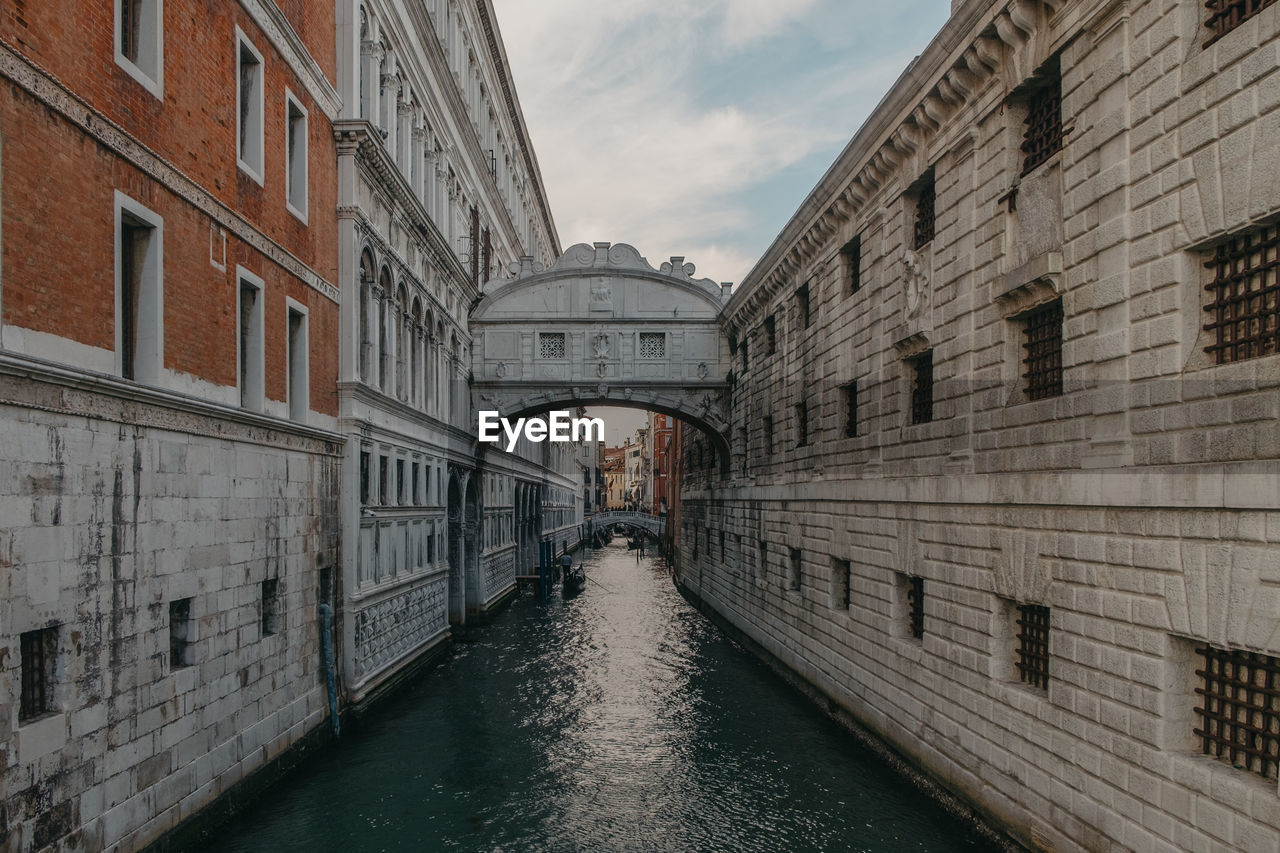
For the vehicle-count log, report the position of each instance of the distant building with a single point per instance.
(615, 478)
(661, 447)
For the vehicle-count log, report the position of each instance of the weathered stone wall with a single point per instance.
(116, 502)
(1140, 505)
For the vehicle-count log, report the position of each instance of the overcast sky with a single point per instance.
(696, 127)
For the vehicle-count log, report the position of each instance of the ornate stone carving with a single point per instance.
(916, 283)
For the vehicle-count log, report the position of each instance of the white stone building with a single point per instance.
(1008, 386)
(439, 191)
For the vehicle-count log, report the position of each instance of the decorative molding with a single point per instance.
(1035, 283)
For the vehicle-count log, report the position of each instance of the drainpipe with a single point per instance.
(326, 642)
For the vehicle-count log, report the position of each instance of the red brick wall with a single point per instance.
(58, 183)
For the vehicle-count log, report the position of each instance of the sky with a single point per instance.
(697, 127)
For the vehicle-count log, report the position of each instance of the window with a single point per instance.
(139, 291)
(249, 334)
(924, 211)
(1238, 720)
(417, 495)
(299, 387)
(364, 477)
(1042, 137)
(915, 607)
(139, 42)
(551, 345)
(271, 616)
(39, 649)
(181, 633)
(770, 335)
(384, 481)
(745, 360)
(1033, 645)
(762, 558)
(768, 433)
(1043, 343)
(849, 393)
(249, 118)
(841, 580)
(722, 545)
(400, 483)
(653, 345)
(295, 160)
(802, 424)
(852, 254)
(793, 578)
(1226, 15)
(802, 305)
(922, 388)
(1244, 307)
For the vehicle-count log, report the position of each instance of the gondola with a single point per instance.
(575, 579)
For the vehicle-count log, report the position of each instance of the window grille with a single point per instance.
(270, 607)
(802, 304)
(922, 388)
(771, 335)
(1239, 715)
(1226, 15)
(653, 345)
(793, 583)
(842, 573)
(1042, 137)
(37, 649)
(852, 252)
(802, 424)
(180, 636)
(551, 345)
(850, 392)
(1043, 361)
(1033, 645)
(924, 214)
(1244, 307)
(915, 607)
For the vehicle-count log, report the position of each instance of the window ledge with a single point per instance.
(1034, 283)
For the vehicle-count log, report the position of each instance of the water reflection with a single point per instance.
(617, 720)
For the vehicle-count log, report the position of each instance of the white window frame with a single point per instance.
(300, 403)
(297, 209)
(253, 395)
(152, 35)
(258, 138)
(149, 335)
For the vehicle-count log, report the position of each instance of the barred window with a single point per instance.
(551, 345)
(181, 633)
(915, 607)
(841, 577)
(852, 252)
(1033, 645)
(1042, 137)
(38, 649)
(793, 579)
(802, 424)
(770, 335)
(1244, 307)
(850, 394)
(271, 616)
(1043, 343)
(802, 305)
(653, 345)
(925, 198)
(922, 388)
(1238, 720)
(1226, 15)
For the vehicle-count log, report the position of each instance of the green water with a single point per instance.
(618, 720)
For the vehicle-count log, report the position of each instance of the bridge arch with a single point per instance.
(601, 326)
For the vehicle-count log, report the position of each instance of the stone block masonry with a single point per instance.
(144, 539)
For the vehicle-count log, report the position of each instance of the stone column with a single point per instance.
(371, 54)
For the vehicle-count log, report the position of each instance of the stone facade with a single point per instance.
(911, 496)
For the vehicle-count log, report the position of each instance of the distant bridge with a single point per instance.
(652, 523)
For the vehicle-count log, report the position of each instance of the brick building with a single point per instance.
(660, 436)
(167, 394)
(1004, 481)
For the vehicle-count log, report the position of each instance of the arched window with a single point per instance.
(365, 343)
(401, 320)
(384, 350)
(415, 352)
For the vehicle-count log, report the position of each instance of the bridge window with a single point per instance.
(1033, 645)
(770, 335)
(922, 388)
(551, 345)
(1238, 720)
(653, 345)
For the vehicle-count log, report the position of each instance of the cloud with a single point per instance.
(655, 121)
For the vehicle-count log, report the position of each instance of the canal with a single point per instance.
(618, 720)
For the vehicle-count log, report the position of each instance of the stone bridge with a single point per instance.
(603, 327)
(652, 523)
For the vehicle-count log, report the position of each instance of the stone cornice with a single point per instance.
(955, 68)
(58, 99)
(289, 45)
